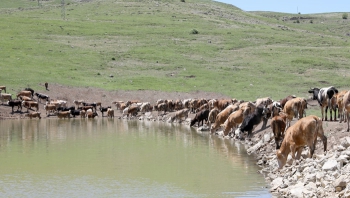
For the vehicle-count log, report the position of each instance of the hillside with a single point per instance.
(171, 46)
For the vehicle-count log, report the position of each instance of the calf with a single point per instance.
(303, 133)
(63, 114)
(33, 115)
(251, 121)
(200, 117)
(41, 96)
(13, 103)
(104, 109)
(278, 125)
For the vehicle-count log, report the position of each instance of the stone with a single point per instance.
(345, 142)
(340, 182)
(309, 178)
(330, 165)
(276, 183)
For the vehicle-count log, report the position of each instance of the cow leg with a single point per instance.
(264, 123)
(300, 149)
(324, 140)
(277, 142)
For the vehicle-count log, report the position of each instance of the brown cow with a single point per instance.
(212, 115)
(133, 110)
(30, 104)
(91, 114)
(2, 88)
(110, 113)
(50, 108)
(346, 100)
(235, 119)
(263, 101)
(25, 93)
(82, 114)
(63, 114)
(303, 133)
(340, 102)
(286, 99)
(278, 125)
(33, 115)
(292, 108)
(222, 116)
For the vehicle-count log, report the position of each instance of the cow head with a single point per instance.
(281, 159)
(314, 91)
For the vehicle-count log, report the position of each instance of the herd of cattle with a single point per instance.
(234, 117)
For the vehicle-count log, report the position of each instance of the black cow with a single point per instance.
(251, 121)
(75, 113)
(72, 108)
(42, 96)
(200, 117)
(104, 109)
(30, 89)
(93, 104)
(13, 103)
(324, 97)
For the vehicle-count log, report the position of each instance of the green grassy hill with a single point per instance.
(171, 46)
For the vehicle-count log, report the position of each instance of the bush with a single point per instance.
(194, 31)
(182, 1)
(345, 16)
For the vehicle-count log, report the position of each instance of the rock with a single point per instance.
(276, 183)
(331, 164)
(309, 178)
(255, 147)
(267, 137)
(340, 182)
(345, 142)
(297, 190)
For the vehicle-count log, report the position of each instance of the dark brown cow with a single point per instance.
(200, 117)
(278, 125)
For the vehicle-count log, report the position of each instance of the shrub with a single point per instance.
(194, 31)
(345, 16)
(182, 1)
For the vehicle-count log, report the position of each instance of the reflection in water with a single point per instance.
(105, 157)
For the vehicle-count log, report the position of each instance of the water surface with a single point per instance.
(118, 158)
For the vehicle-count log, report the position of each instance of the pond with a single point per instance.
(119, 158)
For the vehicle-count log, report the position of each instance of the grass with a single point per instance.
(150, 45)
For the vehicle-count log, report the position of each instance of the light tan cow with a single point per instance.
(63, 114)
(222, 117)
(303, 133)
(178, 115)
(33, 115)
(340, 102)
(25, 93)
